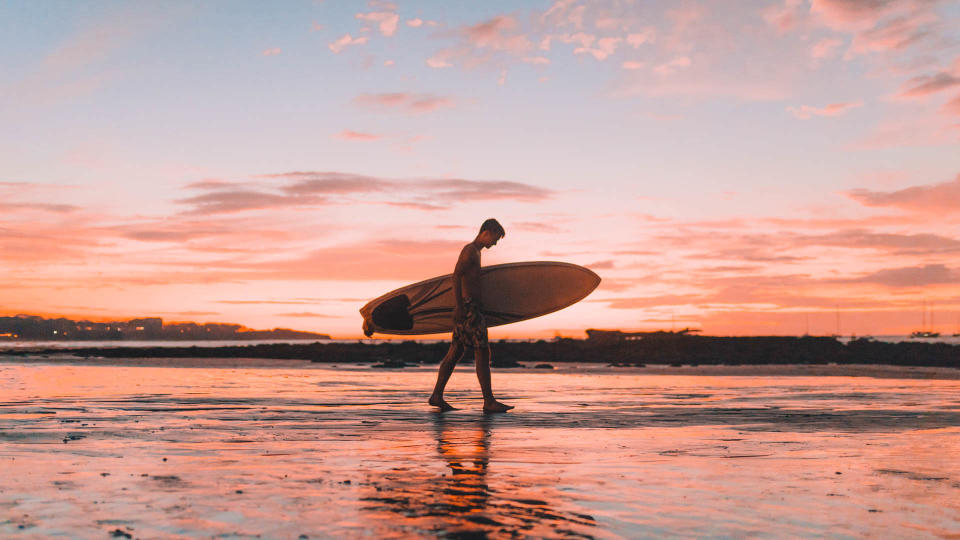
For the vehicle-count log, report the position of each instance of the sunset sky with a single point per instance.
(746, 167)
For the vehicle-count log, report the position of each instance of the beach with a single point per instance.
(254, 448)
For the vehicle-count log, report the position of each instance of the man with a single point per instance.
(469, 327)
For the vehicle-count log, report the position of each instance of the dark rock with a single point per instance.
(543, 366)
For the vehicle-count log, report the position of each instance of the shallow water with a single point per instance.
(284, 448)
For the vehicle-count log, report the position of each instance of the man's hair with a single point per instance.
(493, 226)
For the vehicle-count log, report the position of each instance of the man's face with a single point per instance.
(489, 239)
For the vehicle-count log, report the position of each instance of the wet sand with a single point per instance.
(279, 449)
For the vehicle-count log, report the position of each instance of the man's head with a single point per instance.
(490, 232)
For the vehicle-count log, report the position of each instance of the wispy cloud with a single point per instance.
(346, 41)
(308, 314)
(10, 206)
(501, 33)
(350, 135)
(914, 276)
(271, 52)
(929, 84)
(942, 197)
(833, 109)
(311, 189)
(78, 65)
(412, 103)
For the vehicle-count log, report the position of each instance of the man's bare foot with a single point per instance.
(439, 402)
(495, 407)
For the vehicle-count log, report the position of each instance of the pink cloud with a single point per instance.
(834, 109)
(916, 130)
(603, 49)
(672, 66)
(632, 65)
(306, 189)
(952, 106)
(415, 23)
(564, 13)
(388, 259)
(349, 135)
(783, 17)
(346, 41)
(11, 207)
(442, 59)
(240, 200)
(386, 21)
(322, 183)
(271, 52)
(895, 34)
(929, 84)
(307, 314)
(915, 276)
(824, 47)
(406, 102)
(212, 183)
(538, 60)
(537, 226)
(648, 35)
(846, 14)
(500, 33)
(942, 197)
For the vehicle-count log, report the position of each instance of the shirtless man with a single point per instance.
(469, 327)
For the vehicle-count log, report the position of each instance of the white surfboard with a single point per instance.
(510, 293)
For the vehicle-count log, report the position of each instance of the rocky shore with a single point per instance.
(667, 349)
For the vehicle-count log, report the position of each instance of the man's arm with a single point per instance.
(462, 270)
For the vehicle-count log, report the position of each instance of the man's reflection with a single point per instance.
(457, 500)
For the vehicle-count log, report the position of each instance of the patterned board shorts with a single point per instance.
(471, 331)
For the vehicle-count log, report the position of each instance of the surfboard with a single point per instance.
(511, 292)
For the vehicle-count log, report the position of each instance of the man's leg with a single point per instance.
(482, 359)
(443, 375)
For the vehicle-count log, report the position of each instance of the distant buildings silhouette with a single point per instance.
(30, 327)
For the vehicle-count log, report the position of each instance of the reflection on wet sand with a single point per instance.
(458, 500)
(280, 451)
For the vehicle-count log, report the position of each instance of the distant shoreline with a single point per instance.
(666, 349)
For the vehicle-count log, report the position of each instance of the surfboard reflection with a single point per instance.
(458, 500)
